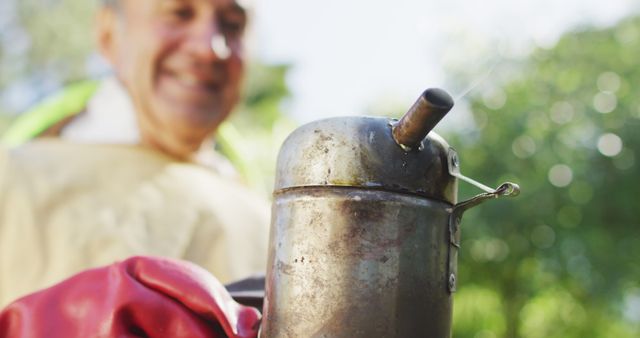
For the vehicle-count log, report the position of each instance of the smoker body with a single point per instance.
(365, 229)
(338, 271)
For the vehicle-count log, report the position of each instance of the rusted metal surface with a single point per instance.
(365, 230)
(422, 117)
(351, 263)
(361, 152)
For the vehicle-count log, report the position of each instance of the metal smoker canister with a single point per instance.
(365, 228)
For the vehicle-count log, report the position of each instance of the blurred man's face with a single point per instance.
(162, 52)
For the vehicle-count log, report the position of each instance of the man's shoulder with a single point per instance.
(128, 171)
(204, 184)
(54, 154)
(52, 167)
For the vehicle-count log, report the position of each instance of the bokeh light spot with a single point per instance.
(632, 305)
(609, 82)
(562, 112)
(627, 34)
(543, 236)
(523, 147)
(560, 175)
(494, 98)
(492, 249)
(609, 144)
(549, 310)
(605, 102)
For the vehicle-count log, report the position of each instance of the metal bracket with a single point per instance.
(454, 248)
(507, 189)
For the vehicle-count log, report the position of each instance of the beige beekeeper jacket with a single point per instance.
(66, 207)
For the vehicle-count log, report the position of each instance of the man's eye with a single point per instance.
(182, 13)
(232, 27)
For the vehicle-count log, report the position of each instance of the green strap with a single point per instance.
(231, 144)
(71, 100)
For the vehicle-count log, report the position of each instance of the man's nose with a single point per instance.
(208, 43)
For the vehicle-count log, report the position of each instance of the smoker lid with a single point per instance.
(361, 152)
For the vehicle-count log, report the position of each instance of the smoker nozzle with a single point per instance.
(422, 117)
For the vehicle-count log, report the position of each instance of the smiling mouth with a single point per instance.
(195, 82)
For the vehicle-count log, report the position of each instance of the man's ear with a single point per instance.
(106, 33)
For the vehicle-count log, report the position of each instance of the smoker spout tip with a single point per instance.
(438, 98)
(422, 117)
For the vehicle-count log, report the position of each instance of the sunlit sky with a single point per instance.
(348, 56)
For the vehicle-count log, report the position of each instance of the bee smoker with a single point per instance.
(366, 227)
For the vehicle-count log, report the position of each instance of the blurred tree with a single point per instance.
(561, 260)
(43, 45)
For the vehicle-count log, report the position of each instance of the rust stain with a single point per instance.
(365, 230)
(285, 268)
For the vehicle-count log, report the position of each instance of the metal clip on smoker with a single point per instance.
(366, 227)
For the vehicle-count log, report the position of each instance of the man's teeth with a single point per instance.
(190, 80)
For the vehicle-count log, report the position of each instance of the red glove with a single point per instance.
(140, 297)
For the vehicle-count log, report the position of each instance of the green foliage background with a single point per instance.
(562, 260)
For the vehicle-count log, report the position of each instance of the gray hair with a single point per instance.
(109, 3)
